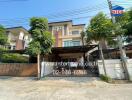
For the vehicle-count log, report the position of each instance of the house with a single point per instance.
(67, 39)
(18, 38)
(66, 34)
(68, 52)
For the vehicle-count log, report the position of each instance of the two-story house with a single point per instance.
(18, 38)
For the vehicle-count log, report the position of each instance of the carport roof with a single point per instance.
(73, 49)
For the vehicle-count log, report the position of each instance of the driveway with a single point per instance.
(83, 88)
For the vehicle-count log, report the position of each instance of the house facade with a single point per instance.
(66, 34)
(68, 53)
(18, 38)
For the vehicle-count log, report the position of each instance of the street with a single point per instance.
(14, 88)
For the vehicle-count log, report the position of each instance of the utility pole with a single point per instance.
(119, 38)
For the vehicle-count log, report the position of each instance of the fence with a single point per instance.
(67, 69)
(18, 69)
(114, 68)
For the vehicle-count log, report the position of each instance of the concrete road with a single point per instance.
(14, 88)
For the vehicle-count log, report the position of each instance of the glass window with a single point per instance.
(67, 43)
(14, 47)
(71, 43)
(75, 32)
(76, 43)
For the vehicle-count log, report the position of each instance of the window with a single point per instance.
(9, 47)
(76, 43)
(14, 47)
(75, 32)
(69, 43)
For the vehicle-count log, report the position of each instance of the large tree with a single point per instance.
(100, 30)
(42, 39)
(3, 37)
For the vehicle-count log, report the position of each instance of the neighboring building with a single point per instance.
(66, 34)
(18, 38)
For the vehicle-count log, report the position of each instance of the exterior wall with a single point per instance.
(114, 68)
(130, 68)
(18, 70)
(19, 45)
(63, 32)
(18, 38)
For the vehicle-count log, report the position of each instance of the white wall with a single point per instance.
(130, 68)
(46, 68)
(113, 68)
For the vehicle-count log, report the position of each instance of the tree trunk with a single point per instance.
(123, 57)
(102, 57)
(38, 60)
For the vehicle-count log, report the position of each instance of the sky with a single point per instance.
(18, 12)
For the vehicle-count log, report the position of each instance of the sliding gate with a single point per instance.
(60, 69)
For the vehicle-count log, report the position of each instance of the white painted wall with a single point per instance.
(21, 35)
(113, 68)
(130, 68)
(46, 68)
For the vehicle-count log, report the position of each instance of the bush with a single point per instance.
(2, 50)
(105, 78)
(13, 58)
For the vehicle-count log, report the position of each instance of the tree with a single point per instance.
(3, 37)
(125, 22)
(100, 29)
(83, 34)
(42, 39)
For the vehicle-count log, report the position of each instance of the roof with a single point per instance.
(17, 29)
(79, 25)
(60, 22)
(75, 49)
(116, 7)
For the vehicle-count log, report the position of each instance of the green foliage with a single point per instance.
(100, 28)
(38, 23)
(42, 39)
(13, 58)
(105, 78)
(125, 22)
(3, 37)
(34, 48)
(2, 49)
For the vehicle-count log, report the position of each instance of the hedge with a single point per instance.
(13, 58)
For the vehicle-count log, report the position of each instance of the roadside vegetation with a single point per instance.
(105, 78)
(13, 58)
(42, 39)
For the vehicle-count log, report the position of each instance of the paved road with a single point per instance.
(62, 89)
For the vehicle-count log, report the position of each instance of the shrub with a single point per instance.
(2, 49)
(13, 58)
(105, 78)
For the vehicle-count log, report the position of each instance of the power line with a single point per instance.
(64, 15)
(68, 12)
